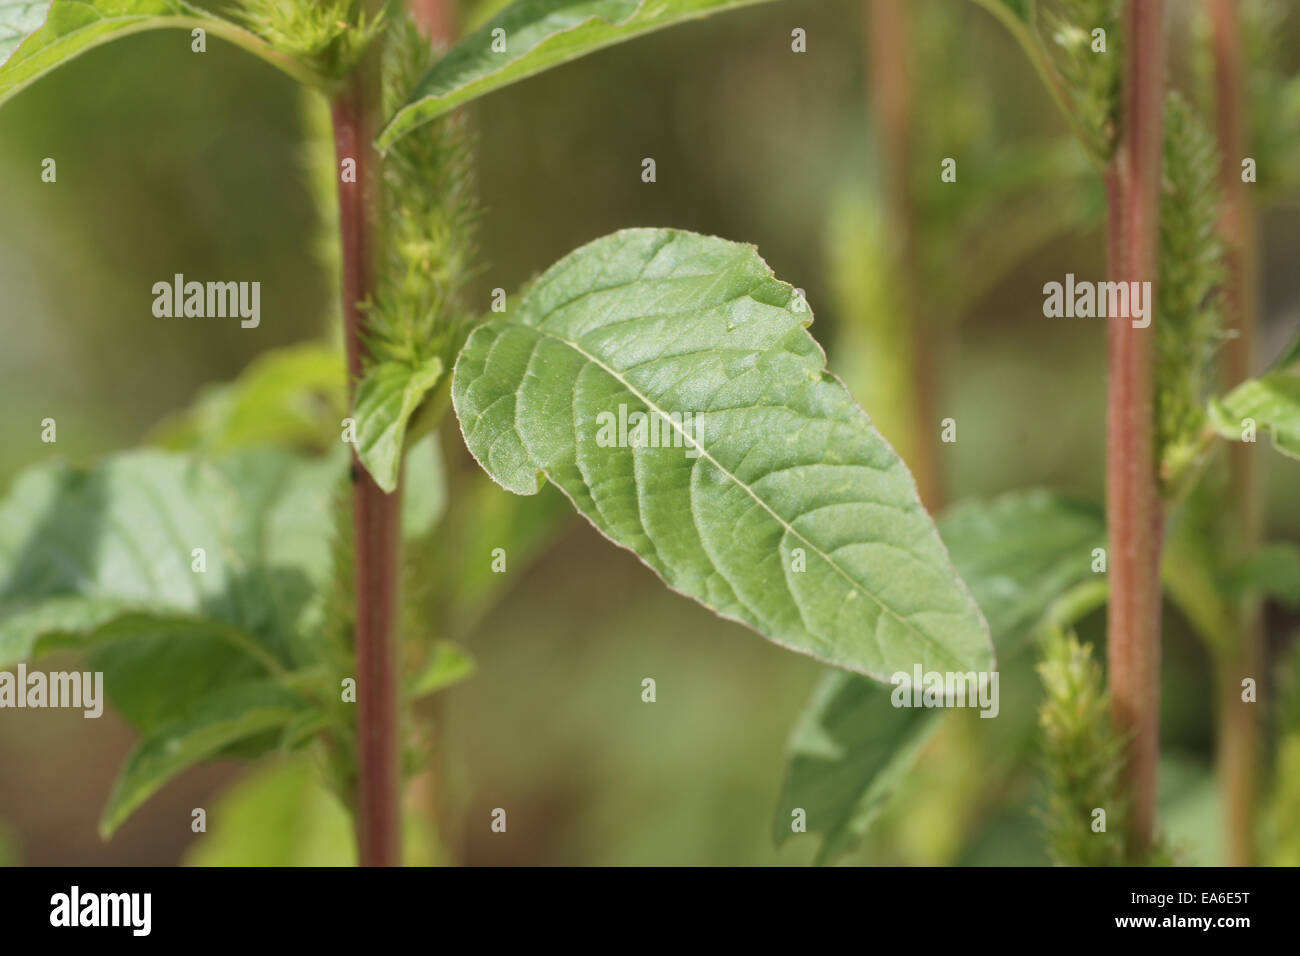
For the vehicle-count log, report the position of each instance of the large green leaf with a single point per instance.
(38, 35)
(387, 397)
(538, 34)
(851, 746)
(228, 716)
(769, 496)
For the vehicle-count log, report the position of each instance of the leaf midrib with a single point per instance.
(704, 453)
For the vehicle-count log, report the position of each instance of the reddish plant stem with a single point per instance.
(437, 20)
(888, 43)
(375, 515)
(1134, 511)
(1238, 731)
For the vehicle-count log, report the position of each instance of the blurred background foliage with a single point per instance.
(172, 162)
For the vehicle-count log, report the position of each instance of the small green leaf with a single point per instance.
(1272, 402)
(294, 396)
(449, 664)
(538, 34)
(227, 717)
(761, 490)
(851, 746)
(38, 35)
(386, 399)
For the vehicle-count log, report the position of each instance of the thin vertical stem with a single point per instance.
(888, 42)
(437, 21)
(375, 514)
(1238, 731)
(1134, 511)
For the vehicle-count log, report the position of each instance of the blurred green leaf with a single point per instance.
(157, 667)
(282, 535)
(851, 746)
(38, 35)
(117, 537)
(775, 468)
(387, 397)
(847, 754)
(280, 815)
(538, 34)
(1019, 552)
(484, 521)
(424, 497)
(227, 716)
(1272, 401)
(449, 664)
(1273, 571)
(295, 396)
(102, 559)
